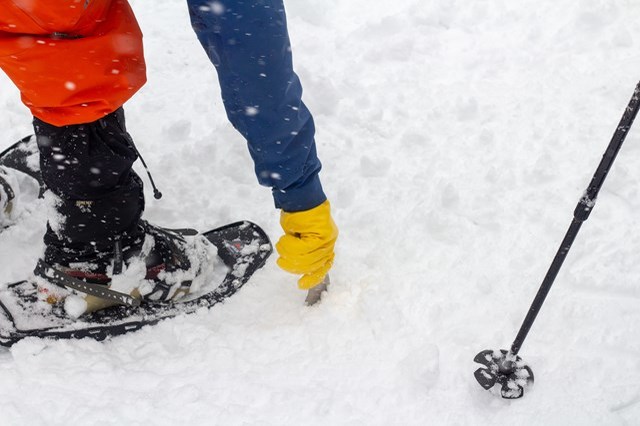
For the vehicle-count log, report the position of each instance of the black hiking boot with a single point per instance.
(148, 265)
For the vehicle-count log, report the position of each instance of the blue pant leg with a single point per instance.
(248, 43)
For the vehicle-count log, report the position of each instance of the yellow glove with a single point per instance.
(307, 244)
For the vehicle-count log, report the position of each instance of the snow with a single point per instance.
(75, 306)
(457, 138)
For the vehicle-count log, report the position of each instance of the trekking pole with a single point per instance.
(506, 367)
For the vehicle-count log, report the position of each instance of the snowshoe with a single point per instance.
(28, 311)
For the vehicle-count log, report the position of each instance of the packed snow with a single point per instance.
(456, 138)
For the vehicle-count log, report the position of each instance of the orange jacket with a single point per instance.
(74, 61)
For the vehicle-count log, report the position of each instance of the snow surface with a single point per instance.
(457, 137)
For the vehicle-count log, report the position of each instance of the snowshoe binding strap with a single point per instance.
(118, 257)
(168, 243)
(61, 279)
(170, 246)
(188, 232)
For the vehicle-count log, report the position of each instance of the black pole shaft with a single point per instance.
(581, 214)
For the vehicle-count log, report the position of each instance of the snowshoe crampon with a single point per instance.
(504, 369)
(243, 247)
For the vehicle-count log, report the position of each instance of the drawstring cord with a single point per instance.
(156, 194)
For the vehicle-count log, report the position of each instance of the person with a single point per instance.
(76, 63)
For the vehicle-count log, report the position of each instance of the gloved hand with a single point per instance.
(307, 244)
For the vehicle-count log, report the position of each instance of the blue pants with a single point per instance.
(248, 43)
